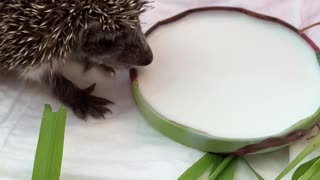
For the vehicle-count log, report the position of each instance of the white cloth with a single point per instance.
(125, 147)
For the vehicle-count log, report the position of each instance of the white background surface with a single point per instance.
(124, 147)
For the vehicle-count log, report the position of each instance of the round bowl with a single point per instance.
(228, 80)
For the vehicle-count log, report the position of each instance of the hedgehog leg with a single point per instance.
(101, 67)
(108, 69)
(79, 100)
(87, 67)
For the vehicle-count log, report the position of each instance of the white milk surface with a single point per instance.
(231, 75)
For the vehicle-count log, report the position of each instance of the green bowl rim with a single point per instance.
(236, 146)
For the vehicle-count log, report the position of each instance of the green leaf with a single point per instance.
(313, 172)
(201, 166)
(216, 162)
(229, 171)
(309, 149)
(303, 168)
(48, 158)
(219, 170)
(251, 168)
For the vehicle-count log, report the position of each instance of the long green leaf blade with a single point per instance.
(315, 144)
(251, 168)
(303, 168)
(221, 168)
(48, 158)
(313, 172)
(229, 171)
(216, 162)
(201, 166)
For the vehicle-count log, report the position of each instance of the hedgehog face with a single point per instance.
(124, 47)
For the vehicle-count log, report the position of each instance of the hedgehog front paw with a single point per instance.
(101, 67)
(87, 67)
(108, 69)
(85, 104)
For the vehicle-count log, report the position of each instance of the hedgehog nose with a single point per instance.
(147, 59)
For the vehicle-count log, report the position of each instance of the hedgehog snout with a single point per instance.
(146, 58)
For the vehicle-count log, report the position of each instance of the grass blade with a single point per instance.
(48, 158)
(216, 162)
(215, 174)
(201, 166)
(309, 149)
(229, 171)
(304, 168)
(251, 168)
(313, 172)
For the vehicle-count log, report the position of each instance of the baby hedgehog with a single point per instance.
(38, 36)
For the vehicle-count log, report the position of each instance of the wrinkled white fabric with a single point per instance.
(125, 147)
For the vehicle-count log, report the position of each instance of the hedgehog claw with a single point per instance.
(87, 67)
(86, 104)
(109, 69)
(101, 67)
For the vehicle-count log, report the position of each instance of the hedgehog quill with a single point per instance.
(38, 36)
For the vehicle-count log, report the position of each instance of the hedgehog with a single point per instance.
(37, 37)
